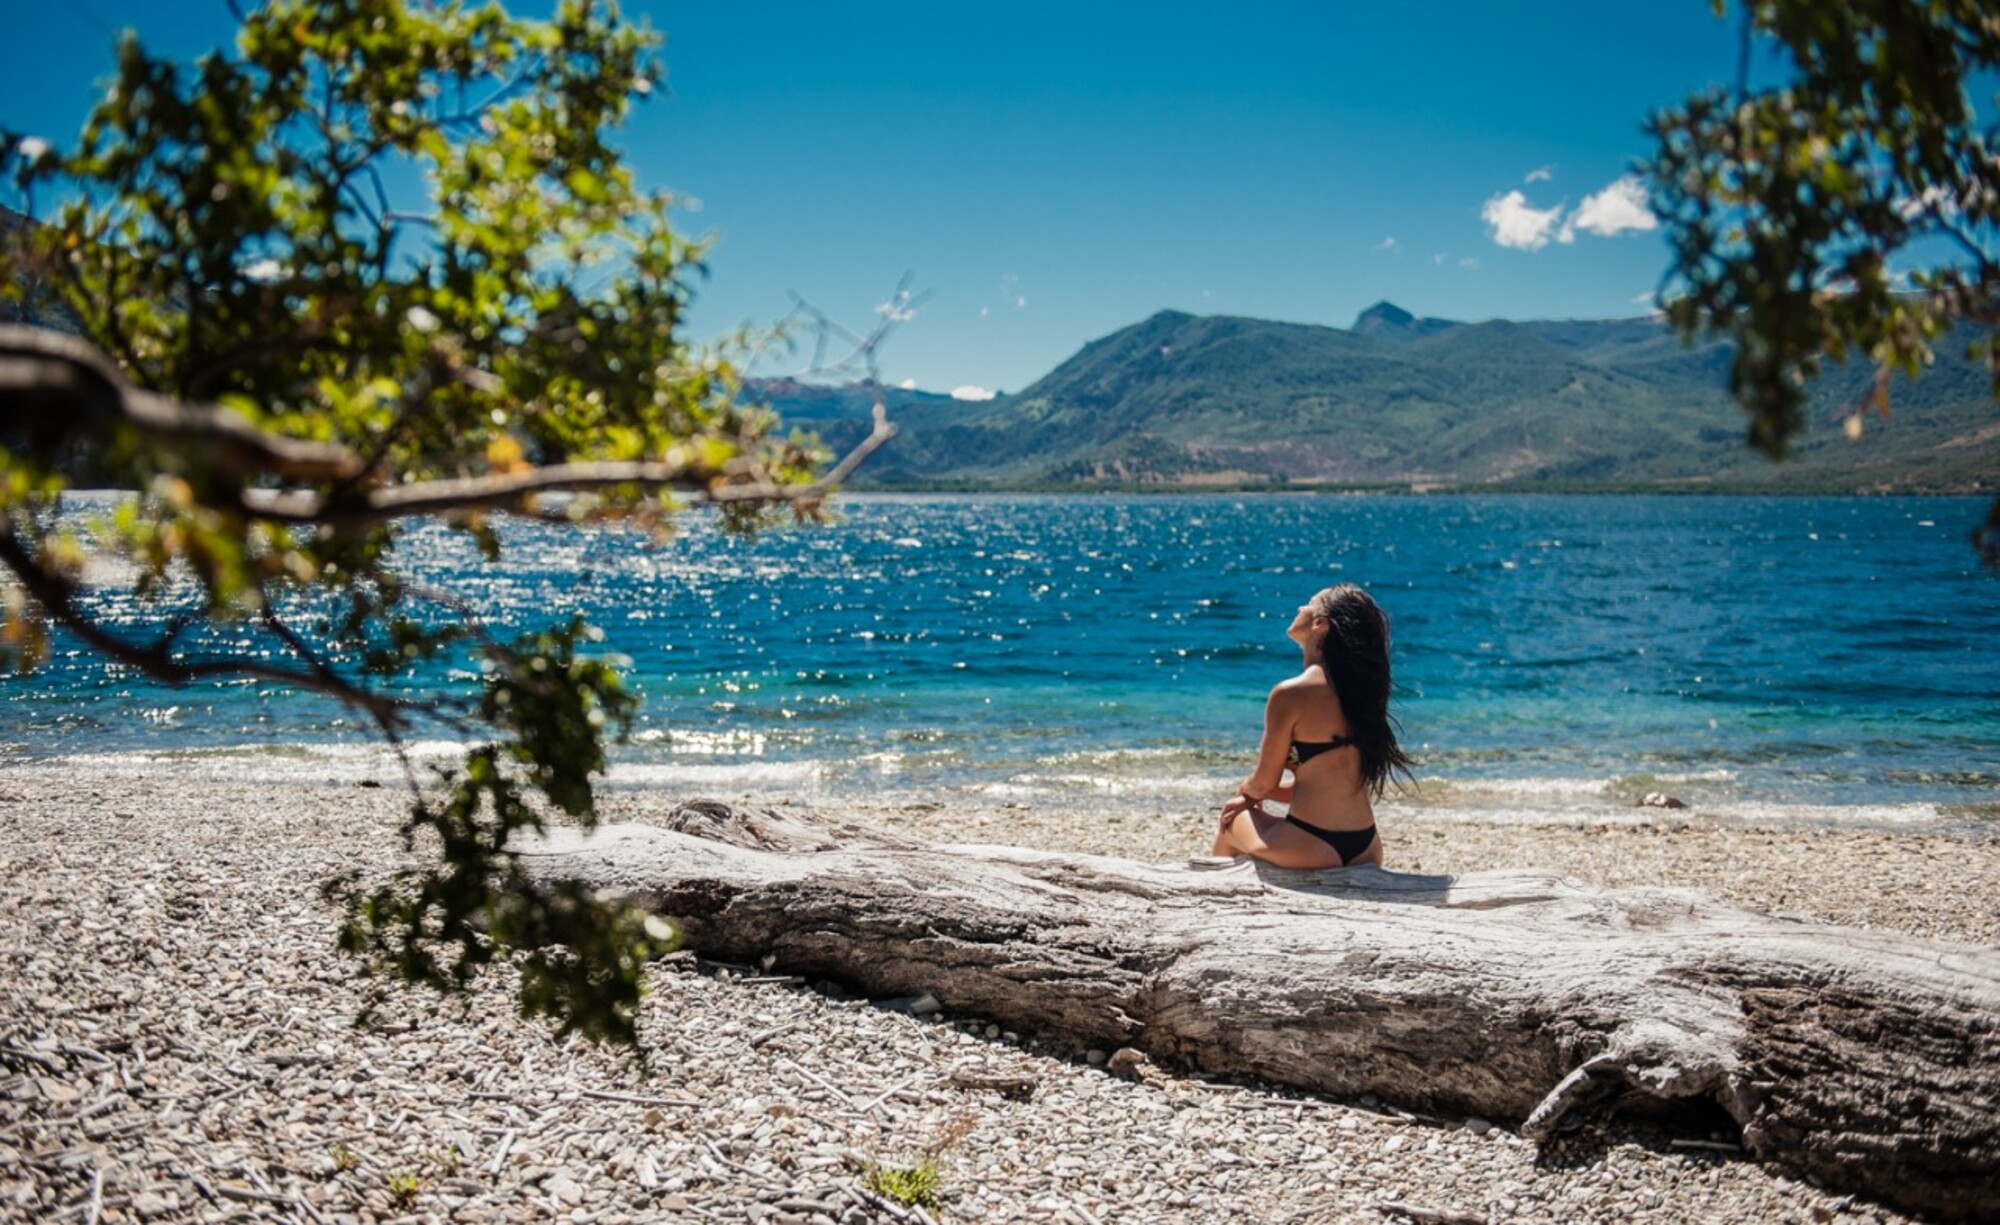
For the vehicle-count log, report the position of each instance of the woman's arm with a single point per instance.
(1266, 782)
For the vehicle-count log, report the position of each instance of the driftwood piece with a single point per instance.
(1867, 1058)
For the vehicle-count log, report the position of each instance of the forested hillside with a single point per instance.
(1397, 401)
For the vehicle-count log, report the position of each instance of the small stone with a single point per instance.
(1660, 799)
(148, 1204)
(55, 1090)
(564, 1188)
(1478, 1126)
(1094, 1057)
(1131, 1064)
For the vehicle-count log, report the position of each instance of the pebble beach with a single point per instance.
(179, 1042)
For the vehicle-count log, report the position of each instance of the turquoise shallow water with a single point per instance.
(1762, 654)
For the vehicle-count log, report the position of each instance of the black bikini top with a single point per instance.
(1304, 751)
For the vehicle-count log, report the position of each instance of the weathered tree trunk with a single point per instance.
(1867, 1058)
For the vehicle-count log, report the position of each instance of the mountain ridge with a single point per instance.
(1182, 401)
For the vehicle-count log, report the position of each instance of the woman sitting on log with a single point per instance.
(1329, 728)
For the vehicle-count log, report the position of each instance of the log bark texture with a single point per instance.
(1869, 1059)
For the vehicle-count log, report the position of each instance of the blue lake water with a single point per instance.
(1554, 654)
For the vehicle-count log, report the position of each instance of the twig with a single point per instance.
(500, 1154)
(207, 1191)
(889, 1093)
(1004, 1083)
(882, 1204)
(637, 1099)
(1707, 1146)
(96, 1196)
(738, 1166)
(19, 1053)
(776, 1031)
(247, 1195)
(821, 1081)
(1429, 1216)
(85, 1052)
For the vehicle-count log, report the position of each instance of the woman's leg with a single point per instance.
(1270, 839)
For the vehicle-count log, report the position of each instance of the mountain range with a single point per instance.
(1398, 401)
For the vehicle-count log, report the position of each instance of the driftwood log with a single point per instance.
(1866, 1058)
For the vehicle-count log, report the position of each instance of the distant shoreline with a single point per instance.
(1407, 489)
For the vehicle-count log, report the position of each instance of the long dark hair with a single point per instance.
(1354, 653)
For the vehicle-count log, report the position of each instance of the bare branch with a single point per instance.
(57, 597)
(509, 490)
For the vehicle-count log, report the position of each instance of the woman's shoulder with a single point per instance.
(1312, 680)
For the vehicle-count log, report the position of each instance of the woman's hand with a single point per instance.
(1238, 804)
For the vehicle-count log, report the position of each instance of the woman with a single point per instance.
(1329, 727)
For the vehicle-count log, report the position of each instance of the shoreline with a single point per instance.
(178, 1039)
(1154, 788)
(1685, 487)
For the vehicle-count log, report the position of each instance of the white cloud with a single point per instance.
(1469, 264)
(1437, 261)
(31, 147)
(1620, 207)
(1516, 223)
(908, 384)
(1643, 299)
(1020, 301)
(265, 271)
(971, 392)
(1540, 174)
(1387, 244)
(985, 311)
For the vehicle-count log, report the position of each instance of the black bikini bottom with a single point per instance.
(1349, 844)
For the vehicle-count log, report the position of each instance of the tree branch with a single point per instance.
(56, 384)
(46, 378)
(56, 596)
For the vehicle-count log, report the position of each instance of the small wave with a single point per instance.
(1730, 812)
(638, 775)
(1111, 784)
(704, 743)
(275, 762)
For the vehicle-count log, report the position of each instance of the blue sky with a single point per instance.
(1051, 173)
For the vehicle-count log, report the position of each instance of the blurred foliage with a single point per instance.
(397, 232)
(1849, 211)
